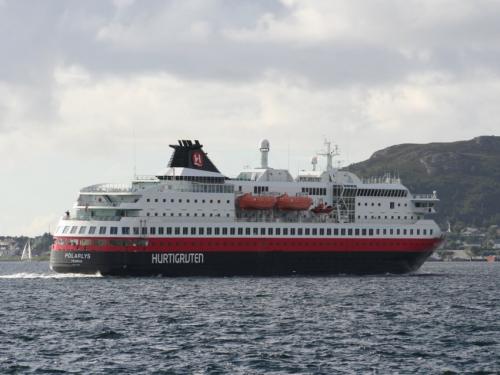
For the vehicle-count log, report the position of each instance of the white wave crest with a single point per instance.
(29, 275)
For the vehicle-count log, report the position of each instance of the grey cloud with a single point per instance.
(153, 37)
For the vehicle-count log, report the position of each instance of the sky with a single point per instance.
(91, 91)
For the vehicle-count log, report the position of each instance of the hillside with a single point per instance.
(466, 175)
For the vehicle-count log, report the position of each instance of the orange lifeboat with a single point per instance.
(322, 209)
(285, 202)
(256, 202)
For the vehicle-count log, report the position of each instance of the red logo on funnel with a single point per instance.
(197, 159)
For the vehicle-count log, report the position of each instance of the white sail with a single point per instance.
(26, 255)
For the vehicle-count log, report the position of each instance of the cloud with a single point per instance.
(89, 87)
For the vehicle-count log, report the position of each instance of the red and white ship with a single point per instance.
(192, 220)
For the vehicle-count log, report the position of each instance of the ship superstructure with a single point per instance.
(190, 219)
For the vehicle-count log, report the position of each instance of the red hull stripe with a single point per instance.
(220, 244)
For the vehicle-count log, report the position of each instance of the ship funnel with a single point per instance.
(264, 151)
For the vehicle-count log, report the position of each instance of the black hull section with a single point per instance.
(237, 263)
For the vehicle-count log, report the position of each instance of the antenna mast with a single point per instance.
(329, 153)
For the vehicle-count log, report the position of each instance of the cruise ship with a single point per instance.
(192, 220)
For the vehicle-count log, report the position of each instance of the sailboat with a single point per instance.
(26, 255)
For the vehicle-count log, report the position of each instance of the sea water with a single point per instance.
(443, 319)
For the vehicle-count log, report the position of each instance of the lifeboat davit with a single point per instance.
(285, 202)
(322, 209)
(256, 202)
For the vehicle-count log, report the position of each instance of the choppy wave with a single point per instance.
(443, 323)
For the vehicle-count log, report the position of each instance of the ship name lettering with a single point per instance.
(177, 258)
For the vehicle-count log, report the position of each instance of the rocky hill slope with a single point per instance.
(466, 175)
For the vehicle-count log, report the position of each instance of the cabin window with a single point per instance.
(232, 231)
(201, 231)
(217, 231)
(336, 232)
(329, 232)
(285, 231)
(156, 199)
(240, 231)
(391, 231)
(363, 232)
(308, 231)
(342, 232)
(161, 230)
(177, 230)
(391, 205)
(224, 231)
(73, 229)
(278, 231)
(114, 230)
(314, 231)
(269, 231)
(92, 230)
(247, 231)
(418, 232)
(255, 231)
(125, 230)
(292, 231)
(398, 231)
(299, 232)
(209, 231)
(321, 232)
(349, 232)
(152, 230)
(262, 231)
(102, 230)
(431, 232)
(147, 200)
(193, 231)
(82, 230)
(425, 232)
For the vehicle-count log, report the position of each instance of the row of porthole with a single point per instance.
(386, 217)
(379, 204)
(187, 214)
(187, 200)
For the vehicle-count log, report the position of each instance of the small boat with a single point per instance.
(322, 209)
(26, 255)
(249, 201)
(300, 202)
